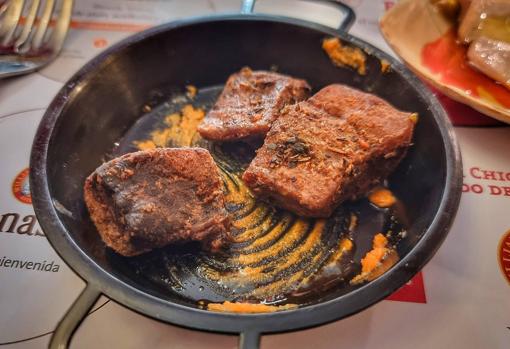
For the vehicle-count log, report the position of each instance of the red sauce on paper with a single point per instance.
(447, 57)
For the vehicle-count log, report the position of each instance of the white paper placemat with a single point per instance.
(460, 300)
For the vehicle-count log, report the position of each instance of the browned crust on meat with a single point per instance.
(249, 103)
(148, 199)
(355, 140)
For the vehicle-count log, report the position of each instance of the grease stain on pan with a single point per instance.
(275, 256)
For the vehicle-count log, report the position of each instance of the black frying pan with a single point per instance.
(96, 112)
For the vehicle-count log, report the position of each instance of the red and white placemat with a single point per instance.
(460, 300)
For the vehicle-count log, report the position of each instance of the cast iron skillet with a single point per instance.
(104, 99)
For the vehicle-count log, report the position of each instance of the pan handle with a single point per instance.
(249, 340)
(73, 318)
(248, 5)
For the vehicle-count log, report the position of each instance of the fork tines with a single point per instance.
(34, 25)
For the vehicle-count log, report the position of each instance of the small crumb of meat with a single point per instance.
(382, 197)
(239, 307)
(377, 261)
(374, 257)
(385, 66)
(191, 91)
(346, 245)
(342, 55)
(414, 118)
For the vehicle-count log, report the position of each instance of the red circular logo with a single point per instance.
(21, 187)
(504, 255)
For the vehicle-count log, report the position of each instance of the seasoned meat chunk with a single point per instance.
(492, 58)
(148, 199)
(249, 103)
(331, 148)
(478, 14)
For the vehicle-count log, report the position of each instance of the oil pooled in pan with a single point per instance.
(274, 256)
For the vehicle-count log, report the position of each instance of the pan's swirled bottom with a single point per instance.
(273, 255)
(272, 252)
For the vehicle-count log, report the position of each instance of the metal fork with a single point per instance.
(25, 41)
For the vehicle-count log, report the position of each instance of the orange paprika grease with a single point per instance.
(234, 307)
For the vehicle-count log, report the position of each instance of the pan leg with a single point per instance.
(249, 340)
(74, 316)
(247, 6)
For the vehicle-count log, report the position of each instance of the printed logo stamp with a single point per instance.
(21, 187)
(504, 255)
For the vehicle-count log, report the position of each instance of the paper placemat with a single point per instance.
(461, 299)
